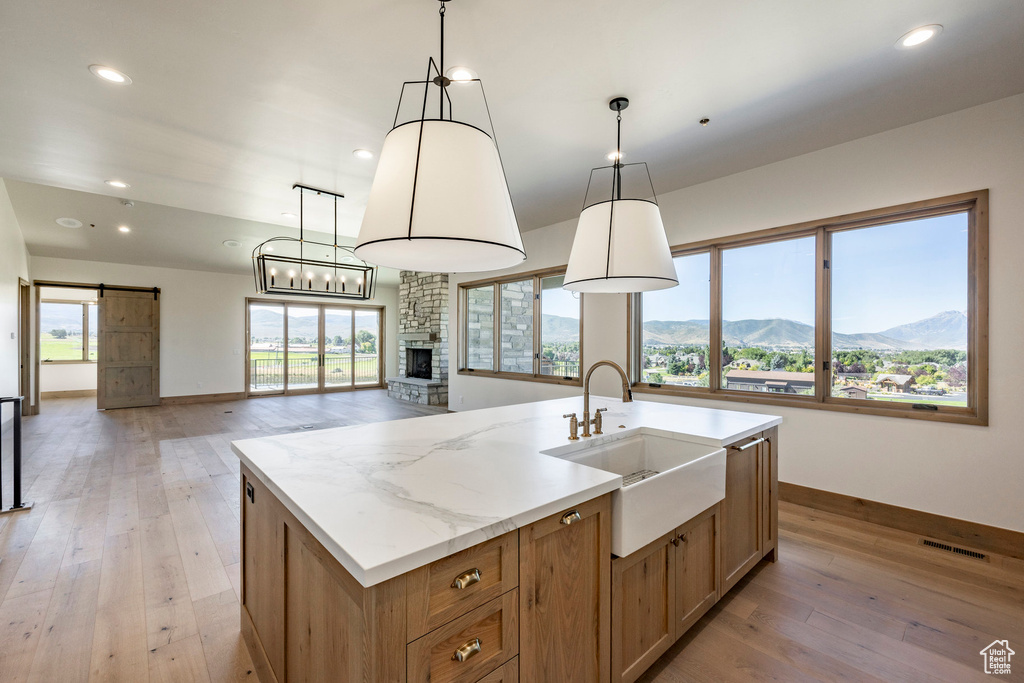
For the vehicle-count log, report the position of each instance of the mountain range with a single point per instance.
(946, 330)
(267, 324)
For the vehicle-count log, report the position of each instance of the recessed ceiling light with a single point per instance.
(461, 74)
(613, 156)
(362, 154)
(69, 222)
(124, 228)
(348, 259)
(109, 74)
(918, 36)
(231, 243)
(119, 184)
(288, 215)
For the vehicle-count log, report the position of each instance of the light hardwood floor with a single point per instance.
(127, 567)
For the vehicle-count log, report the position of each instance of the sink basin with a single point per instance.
(666, 481)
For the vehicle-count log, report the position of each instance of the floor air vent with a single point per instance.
(954, 549)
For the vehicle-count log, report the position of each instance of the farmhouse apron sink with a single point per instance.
(667, 480)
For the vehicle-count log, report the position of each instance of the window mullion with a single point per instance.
(715, 325)
(496, 334)
(823, 323)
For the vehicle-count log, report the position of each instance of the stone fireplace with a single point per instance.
(422, 339)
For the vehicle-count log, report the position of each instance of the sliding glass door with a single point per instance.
(306, 348)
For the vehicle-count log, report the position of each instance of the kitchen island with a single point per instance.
(452, 547)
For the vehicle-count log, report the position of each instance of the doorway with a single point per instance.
(301, 348)
(68, 332)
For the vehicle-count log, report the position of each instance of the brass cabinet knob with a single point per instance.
(467, 579)
(468, 650)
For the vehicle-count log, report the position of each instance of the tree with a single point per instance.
(338, 340)
(777, 361)
(655, 378)
(59, 334)
(676, 368)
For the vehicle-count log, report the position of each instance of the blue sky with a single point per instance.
(881, 277)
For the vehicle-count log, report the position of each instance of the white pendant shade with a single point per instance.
(447, 210)
(635, 259)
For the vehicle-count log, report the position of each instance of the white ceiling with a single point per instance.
(234, 101)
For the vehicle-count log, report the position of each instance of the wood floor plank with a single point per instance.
(204, 569)
(227, 658)
(119, 640)
(42, 560)
(21, 624)
(65, 644)
(169, 613)
(182, 660)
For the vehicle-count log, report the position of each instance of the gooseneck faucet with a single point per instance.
(627, 396)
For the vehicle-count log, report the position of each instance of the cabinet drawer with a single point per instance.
(484, 639)
(506, 674)
(448, 588)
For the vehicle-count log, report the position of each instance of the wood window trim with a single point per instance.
(284, 303)
(975, 204)
(495, 373)
(85, 331)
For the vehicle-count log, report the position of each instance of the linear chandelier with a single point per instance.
(299, 267)
(620, 244)
(439, 200)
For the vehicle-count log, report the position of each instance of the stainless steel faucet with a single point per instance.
(627, 396)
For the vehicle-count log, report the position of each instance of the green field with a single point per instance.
(70, 348)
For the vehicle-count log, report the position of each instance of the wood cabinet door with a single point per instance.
(263, 580)
(564, 577)
(128, 353)
(742, 513)
(698, 570)
(644, 587)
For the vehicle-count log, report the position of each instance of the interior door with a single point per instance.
(128, 366)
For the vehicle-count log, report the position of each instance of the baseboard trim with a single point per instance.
(202, 398)
(70, 393)
(971, 534)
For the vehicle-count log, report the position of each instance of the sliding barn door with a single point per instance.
(129, 350)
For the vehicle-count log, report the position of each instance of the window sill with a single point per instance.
(954, 415)
(522, 377)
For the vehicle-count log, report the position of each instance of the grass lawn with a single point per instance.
(70, 348)
(923, 399)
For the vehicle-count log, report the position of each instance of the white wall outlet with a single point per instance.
(237, 352)
(460, 399)
(199, 385)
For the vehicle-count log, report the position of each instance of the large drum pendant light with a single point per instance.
(620, 243)
(439, 201)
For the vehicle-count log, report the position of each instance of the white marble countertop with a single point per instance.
(389, 497)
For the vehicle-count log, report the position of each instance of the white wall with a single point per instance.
(967, 472)
(67, 377)
(202, 320)
(13, 265)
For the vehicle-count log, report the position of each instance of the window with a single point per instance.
(883, 312)
(559, 329)
(901, 335)
(675, 332)
(524, 327)
(67, 331)
(768, 317)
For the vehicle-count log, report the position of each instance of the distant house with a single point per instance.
(854, 392)
(895, 383)
(775, 381)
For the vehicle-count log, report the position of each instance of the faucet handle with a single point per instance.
(574, 426)
(601, 410)
(598, 423)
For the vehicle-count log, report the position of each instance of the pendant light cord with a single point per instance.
(618, 154)
(440, 74)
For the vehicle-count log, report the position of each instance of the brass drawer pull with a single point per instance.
(466, 580)
(467, 650)
(571, 517)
